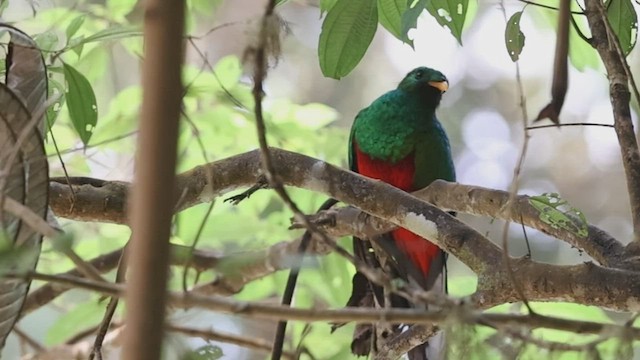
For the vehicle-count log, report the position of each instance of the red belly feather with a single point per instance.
(400, 175)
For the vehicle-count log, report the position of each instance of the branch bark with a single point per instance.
(543, 281)
(606, 43)
(476, 200)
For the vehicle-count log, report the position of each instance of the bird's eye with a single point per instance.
(419, 74)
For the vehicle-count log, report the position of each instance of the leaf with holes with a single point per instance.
(410, 17)
(346, 34)
(557, 212)
(390, 16)
(205, 352)
(450, 13)
(81, 102)
(624, 21)
(513, 36)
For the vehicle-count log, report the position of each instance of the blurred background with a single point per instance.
(312, 114)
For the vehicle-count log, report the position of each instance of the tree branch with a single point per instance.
(476, 200)
(543, 281)
(606, 43)
(268, 311)
(248, 266)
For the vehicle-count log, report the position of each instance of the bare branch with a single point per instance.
(275, 312)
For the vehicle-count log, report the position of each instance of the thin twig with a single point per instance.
(214, 335)
(259, 54)
(192, 248)
(89, 146)
(568, 124)
(548, 6)
(513, 188)
(107, 319)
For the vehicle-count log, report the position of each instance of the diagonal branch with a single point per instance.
(480, 201)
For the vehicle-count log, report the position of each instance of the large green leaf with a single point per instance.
(81, 102)
(411, 15)
(624, 21)
(450, 13)
(326, 5)
(346, 34)
(513, 36)
(390, 16)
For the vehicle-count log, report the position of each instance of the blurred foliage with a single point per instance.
(79, 45)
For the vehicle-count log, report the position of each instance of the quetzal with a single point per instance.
(398, 139)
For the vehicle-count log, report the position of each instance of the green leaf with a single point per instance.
(81, 102)
(390, 16)
(119, 8)
(513, 37)
(450, 13)
(624, 21)
(112, 34)
(3, 6)
(77, 45)
(228, 71)
(46, 41)
(79, 318)
(581, 54)
(74, 26)
(326, 5)
(346, 34)
(55, 88)
(411, 15)
(206, 352)
(559, 214)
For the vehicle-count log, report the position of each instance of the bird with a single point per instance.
(399, 140)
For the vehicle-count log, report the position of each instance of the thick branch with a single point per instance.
(205, 182)
(97, 200)
(607, 44)
(476, 200)
(94, 200)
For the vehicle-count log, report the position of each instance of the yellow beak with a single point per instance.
(443, 86)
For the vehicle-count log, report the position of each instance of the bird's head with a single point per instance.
(425, 82)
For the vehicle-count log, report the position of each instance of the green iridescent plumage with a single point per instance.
(403, 121)
(398, 139)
